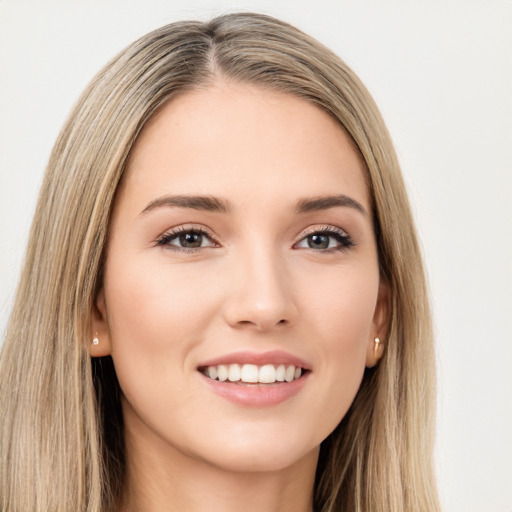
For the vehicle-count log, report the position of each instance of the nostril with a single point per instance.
(283, 322)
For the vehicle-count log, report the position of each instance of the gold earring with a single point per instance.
(377, 345)
(96, 341)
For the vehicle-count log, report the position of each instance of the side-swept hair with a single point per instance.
(61, 445)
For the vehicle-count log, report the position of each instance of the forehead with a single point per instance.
(233, 137)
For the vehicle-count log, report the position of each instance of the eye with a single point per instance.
(326, 239)
(183, 238)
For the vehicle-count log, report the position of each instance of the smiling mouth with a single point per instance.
(253, 374)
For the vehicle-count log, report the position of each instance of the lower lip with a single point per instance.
(256, 395)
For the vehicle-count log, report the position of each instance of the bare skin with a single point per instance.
(171, 488)
(242, 233)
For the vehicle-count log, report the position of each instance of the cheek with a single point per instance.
(148, 304)
(341, 304)
(342, 311)
(155, 319)
(347, 318)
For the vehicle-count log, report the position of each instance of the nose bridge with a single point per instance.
(262, 296)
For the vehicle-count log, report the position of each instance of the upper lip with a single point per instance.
(274, 357)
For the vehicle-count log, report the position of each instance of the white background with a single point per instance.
(441, 72)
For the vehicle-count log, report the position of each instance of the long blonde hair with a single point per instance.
(61, 445)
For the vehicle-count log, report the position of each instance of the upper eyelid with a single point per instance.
(184, 228)
(326, 228)
(333, 231)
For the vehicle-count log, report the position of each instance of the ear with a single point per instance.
(100, 333)
(380, 324)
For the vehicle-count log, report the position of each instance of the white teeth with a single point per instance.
(290, 374)
(252, 374)
(249, 373)
(267, 374)
(234, 372)
(222, 372)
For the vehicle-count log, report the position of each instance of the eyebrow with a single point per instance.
(325, 202)
(205, 203)
(214, 204)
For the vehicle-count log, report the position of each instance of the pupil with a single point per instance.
(191, 240)
(318, 241)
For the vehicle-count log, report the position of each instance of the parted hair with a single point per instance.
(61, 428)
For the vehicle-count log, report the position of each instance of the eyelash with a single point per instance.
(166, 238)
(344, 240)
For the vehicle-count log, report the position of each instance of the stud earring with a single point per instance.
(96, 341)
(377, 345)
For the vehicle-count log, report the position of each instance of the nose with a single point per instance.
(261, 295)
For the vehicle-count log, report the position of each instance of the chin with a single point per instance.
(262, 461)
(258, 453)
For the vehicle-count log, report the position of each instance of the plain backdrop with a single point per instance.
(441, 72)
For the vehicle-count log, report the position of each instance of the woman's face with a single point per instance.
(241, 247)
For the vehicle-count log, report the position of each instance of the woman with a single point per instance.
(223, 302)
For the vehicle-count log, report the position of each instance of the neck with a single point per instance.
(162, 478)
